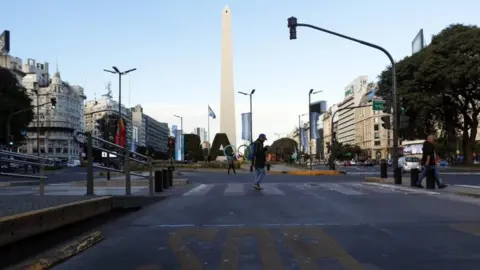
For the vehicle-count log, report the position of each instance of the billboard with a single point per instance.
(5, 42)
(319, 106)
(418, 42)
(246, 124)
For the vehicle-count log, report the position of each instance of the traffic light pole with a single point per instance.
(292, 25)
(332, 139)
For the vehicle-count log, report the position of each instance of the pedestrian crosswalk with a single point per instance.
(285, 189)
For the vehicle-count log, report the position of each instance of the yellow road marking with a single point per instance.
(323, 246)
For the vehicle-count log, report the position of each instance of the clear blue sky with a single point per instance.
(175, 45)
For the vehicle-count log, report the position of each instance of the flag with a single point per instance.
(246, 122)
(120, 138)
(211, 113)
(313, 125)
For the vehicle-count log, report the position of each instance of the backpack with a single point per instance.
(251, 151)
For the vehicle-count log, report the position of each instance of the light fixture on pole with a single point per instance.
(251, 113)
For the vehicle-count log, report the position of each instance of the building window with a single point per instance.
(377, 143)
(50, 150)
(58, 150)
(376, 127)
(377, 135)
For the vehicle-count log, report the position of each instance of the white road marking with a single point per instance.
(341, 189)
(467, 186)
(235, 189)
(200, 190)
(404, 189)
(271, 189)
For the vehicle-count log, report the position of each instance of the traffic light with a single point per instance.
(292, 25)
(386, 122)
(10, 139)
(53, 101)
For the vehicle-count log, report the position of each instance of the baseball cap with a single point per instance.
(262, 136)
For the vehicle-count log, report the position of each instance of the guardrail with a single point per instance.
(8, 157)
(127, 156)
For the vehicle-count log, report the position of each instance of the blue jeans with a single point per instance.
(424, 173)
(259, 175)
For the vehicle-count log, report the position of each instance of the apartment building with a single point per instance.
(375, 141)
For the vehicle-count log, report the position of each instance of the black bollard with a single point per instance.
(165, 178)
(383, 169)
(397, 174)
(414, 174)
(158, 181)
(430, 178)
(268, 167)
(170, 177)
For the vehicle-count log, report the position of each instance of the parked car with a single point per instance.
(369, 163)
(409, 163)
(347, 163)
(73, 163)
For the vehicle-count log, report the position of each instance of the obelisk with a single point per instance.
(227, 98)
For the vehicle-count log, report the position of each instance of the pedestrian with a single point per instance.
(259, 160)
(231, 163)
(429, 162)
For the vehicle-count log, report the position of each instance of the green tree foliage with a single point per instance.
(13, 97)
(346, 151)
(441, 87)
(283, 146)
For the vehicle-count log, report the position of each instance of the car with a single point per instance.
(409, 163)
(73, 163)
(353, 162)
(347, 163)
(369, 163)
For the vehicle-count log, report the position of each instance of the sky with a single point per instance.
(175, 46)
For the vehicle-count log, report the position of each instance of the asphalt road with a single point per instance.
(296, 222)
(60, 176)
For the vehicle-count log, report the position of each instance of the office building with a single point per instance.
(151, 133)
(97, 109)
(202, 133)
(139, 122)
(60, 127)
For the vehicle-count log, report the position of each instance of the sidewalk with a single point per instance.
(463, 190)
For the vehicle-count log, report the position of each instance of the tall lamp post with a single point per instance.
(310, 93)
(251, 114)
(181, 131)
(120, 74)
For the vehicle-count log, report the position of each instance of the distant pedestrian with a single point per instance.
(429, 162)
(259, 160)
(231, 164)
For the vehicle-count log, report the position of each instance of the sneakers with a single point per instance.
(257, 186)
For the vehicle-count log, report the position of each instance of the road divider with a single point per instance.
(309, 173)
(17, 227)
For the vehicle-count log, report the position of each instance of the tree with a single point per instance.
(13, 97)
(440, 86)
(283, 146)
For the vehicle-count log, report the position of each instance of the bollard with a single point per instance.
(158, 181)
(398, 176)
(414, 174)
(268, 167)
(165, 178)
(170, 177)
(251, 168)
(430, 178)
(383, 169)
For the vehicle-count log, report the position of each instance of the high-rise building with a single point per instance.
(227, 98)
(202, 133)
(150, 131)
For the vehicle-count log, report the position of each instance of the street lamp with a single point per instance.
(251, 115)
(120, 74)
(293, 24)
(310, 93)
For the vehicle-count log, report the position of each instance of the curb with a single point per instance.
(65, 252)
(24, 225)
(309, 173)
(121, 183)
(19, 183)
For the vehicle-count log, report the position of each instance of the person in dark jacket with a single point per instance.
(259, 160)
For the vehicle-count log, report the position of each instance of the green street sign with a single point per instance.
(378, 105)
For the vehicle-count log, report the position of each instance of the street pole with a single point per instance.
(292, 25)
(310, 93)
(38, 123)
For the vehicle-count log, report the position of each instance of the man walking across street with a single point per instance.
(231, 163)
(259, 160)
(429, 162)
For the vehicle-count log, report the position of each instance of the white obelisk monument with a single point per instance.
(227, 98)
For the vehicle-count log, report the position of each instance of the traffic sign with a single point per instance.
(378, 105)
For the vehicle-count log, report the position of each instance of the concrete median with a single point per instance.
(20, 226)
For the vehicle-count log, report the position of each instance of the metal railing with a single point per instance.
(121, 152)
(8, 157)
